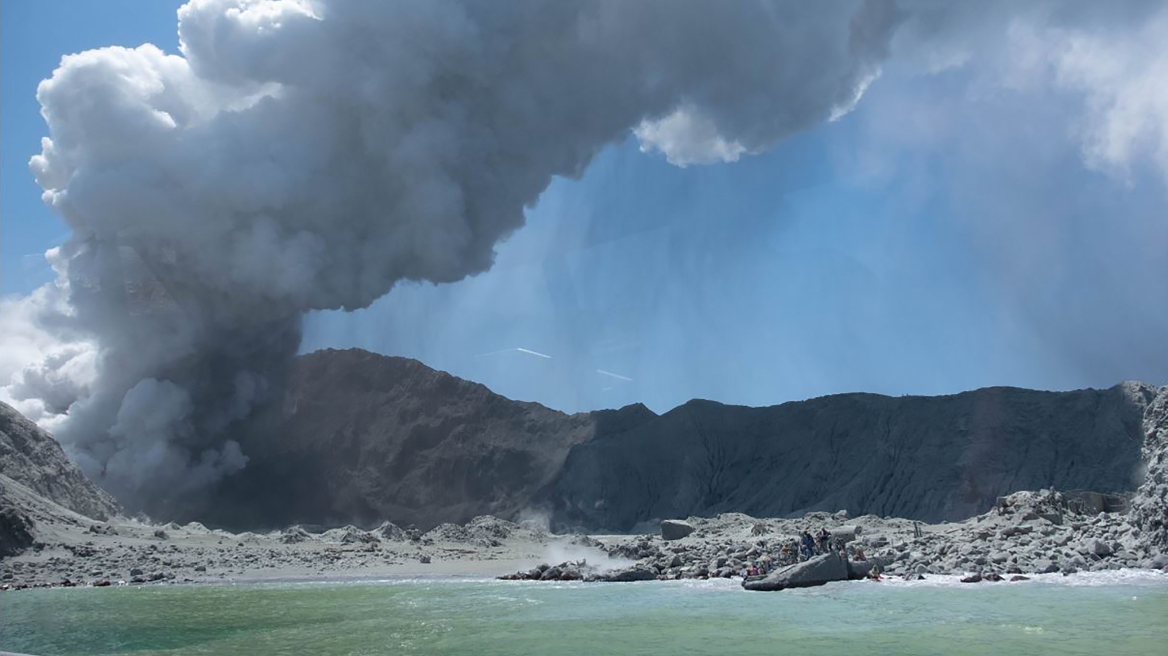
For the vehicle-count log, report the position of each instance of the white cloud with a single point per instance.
(686, 137)
(46, 364)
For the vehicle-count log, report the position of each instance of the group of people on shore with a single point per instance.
(804, 548)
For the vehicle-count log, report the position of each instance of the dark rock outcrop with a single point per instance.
(625, 575)
(926, 458)
(363, 438)
(30, 456)
(814, 571)
(16, 529)
(675, 529)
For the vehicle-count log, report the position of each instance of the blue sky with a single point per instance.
(34, 34)
(947, 234)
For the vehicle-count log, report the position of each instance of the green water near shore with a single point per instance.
(1115, 616)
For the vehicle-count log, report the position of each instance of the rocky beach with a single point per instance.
(58, 529)
(1028, 533)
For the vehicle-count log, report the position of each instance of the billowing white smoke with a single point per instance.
(304, 155)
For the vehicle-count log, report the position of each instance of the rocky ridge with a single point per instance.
(363, 437)
(927, 458)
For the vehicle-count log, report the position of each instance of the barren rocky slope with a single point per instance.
(30, 456)
(1149, 506)
(925, 458)
(364, 437)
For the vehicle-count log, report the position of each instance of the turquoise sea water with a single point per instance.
(1113, 614)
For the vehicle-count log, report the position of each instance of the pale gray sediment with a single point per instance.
(1029, 532)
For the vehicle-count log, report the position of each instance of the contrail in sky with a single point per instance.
(616, 376)
(510, 350)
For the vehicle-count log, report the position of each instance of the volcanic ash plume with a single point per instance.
(307, 155)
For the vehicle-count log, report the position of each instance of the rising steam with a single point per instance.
(308, 155)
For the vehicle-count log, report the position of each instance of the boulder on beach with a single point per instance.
(675, 529)
(1098, 547)
(565, 571)
(816, 571)
(846, 533)
(627, 574)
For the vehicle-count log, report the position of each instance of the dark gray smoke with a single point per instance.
(307, 155)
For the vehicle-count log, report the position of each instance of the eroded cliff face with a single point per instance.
(31, 457)
(926, 458)
(1149, 506)
(363, 438)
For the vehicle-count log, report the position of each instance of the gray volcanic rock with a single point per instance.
(364, 438)
(675, 529)
(30, 456)
(1149, 506)
(625, 575)
(926, 458)
(390, 531)
(294, 535)
(814, 571)
(16, 529)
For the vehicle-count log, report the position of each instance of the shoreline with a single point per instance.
(1124, 576)
(1028, 533)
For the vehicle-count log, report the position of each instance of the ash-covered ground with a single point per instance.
(1027, 533)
